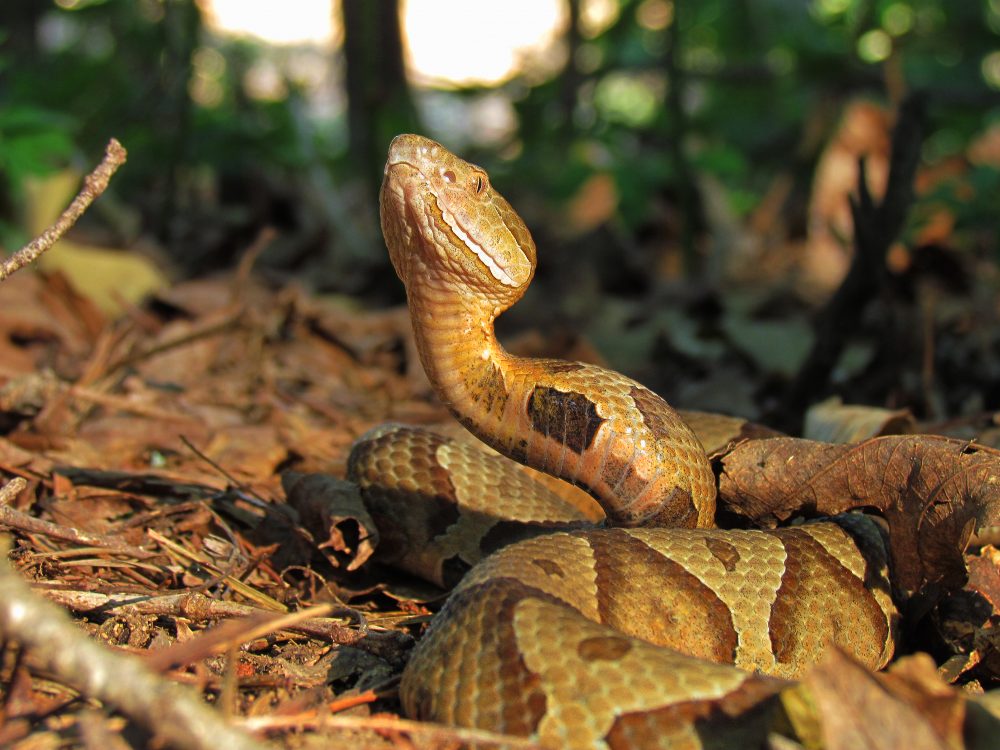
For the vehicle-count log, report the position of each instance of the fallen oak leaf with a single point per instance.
(932, 491)
(915, 680)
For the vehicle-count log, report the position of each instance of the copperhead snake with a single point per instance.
(654, 631)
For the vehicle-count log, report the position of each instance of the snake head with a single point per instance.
(440, 214)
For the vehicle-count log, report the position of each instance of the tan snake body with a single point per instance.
(574, 637)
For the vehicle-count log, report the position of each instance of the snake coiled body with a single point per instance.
(616, 637)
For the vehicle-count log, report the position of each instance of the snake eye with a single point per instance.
(480, 183)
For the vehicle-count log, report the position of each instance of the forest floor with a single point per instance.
(164, 454)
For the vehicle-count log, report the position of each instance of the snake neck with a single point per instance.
(459, 351)
(592, 427)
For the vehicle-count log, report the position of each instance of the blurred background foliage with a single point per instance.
(646, 142)
(655, 94)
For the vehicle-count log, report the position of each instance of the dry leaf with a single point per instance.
(932, 491)
(332, 510)
(717, 431)
(832, 421)
(910, 708)
(107, 276)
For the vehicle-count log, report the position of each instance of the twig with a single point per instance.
(215, 324)
(350, 701)
(432, 732)
(225, 637)
(199, 608)
(249, 258)
(24, 522)
(125, 404)
(94, 184)
(171, 713)
(233, 481)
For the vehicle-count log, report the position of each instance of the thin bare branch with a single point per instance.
(12, 518)
(199, 608)
(479, 738)
(94, 184)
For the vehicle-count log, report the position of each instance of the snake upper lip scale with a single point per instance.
(574, 638)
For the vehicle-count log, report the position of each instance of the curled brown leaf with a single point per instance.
(332, 511)
(932, 491)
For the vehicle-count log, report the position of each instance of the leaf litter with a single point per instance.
(156, 512)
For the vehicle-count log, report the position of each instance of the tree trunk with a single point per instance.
(379, 101)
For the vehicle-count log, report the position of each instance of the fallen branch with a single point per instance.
(12, 518)
(94, 184)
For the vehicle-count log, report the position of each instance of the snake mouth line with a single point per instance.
(453, 223)
(485, 258)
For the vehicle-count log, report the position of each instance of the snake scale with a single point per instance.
(655, 630)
